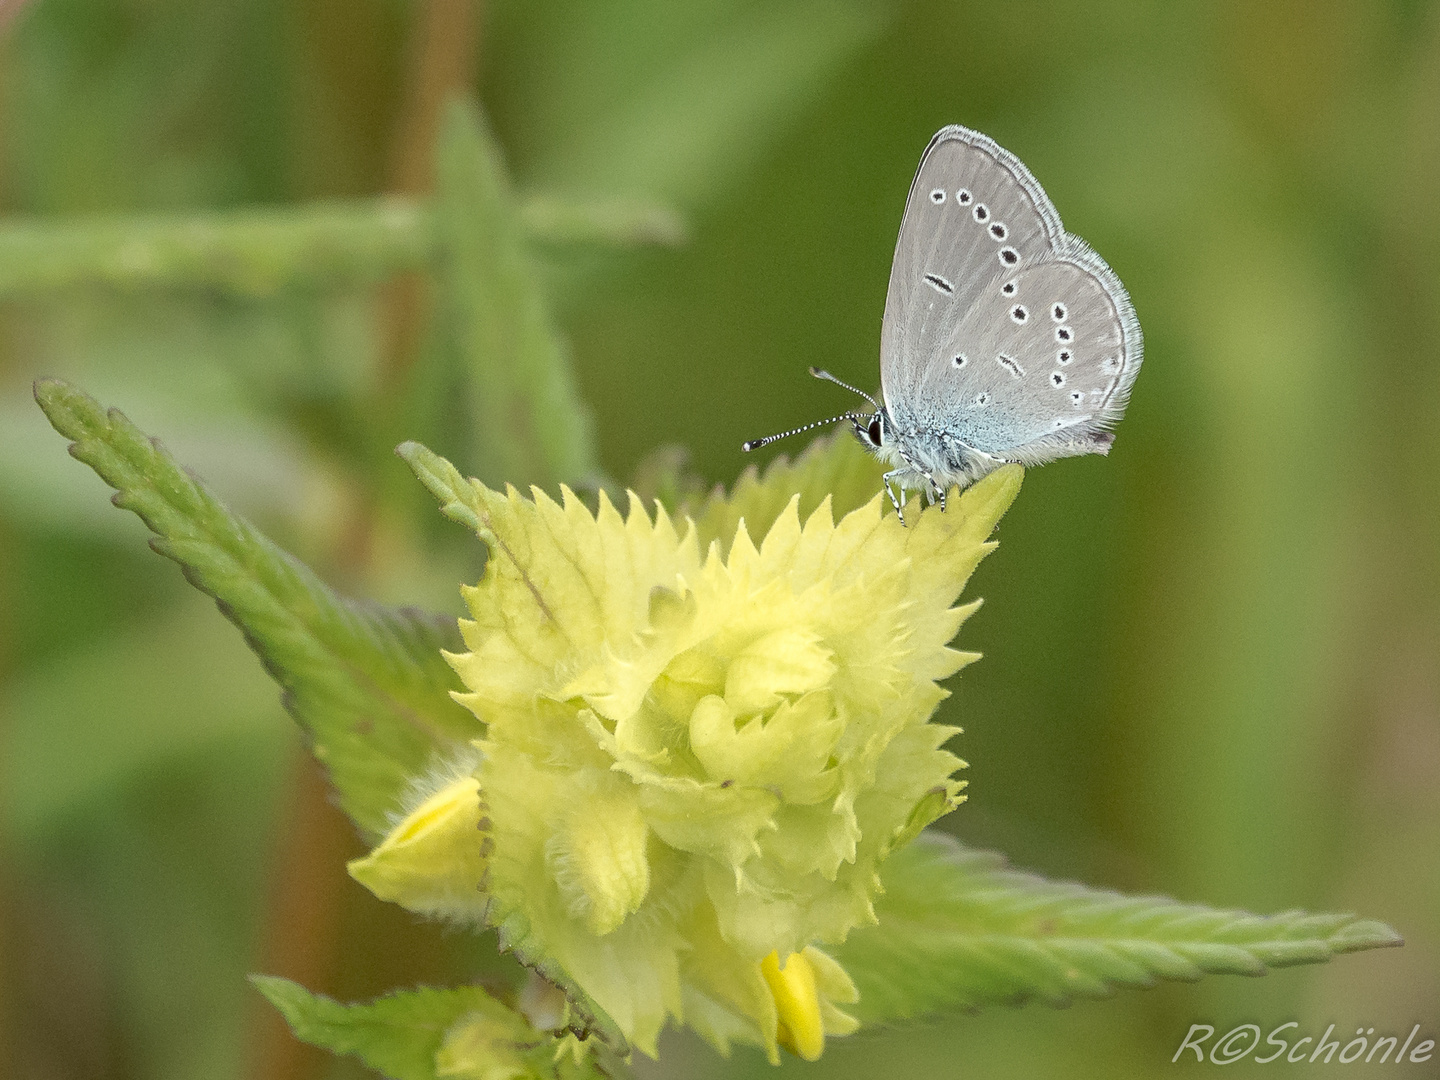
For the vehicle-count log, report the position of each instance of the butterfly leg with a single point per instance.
(888, 480)
(932, 489)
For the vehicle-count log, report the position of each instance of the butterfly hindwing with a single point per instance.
(1050, 360)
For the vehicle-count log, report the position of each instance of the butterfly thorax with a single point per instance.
(923, 456)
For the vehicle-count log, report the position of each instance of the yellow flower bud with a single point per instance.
(433, 861)
(801, 1030)
(482, 1047)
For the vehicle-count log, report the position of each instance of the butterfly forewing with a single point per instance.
(974, 216)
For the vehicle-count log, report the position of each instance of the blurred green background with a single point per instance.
(1212, 660)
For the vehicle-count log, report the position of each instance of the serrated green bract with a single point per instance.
(365, 682)
(959, 929)
(461, 1033)
(834, 466)
(697, 756)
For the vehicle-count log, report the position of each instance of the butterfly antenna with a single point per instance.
(820, 373)
(755, 444)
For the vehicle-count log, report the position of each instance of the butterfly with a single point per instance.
(1005, 338)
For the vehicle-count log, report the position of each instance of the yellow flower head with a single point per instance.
(697, 754)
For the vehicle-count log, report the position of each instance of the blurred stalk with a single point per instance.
(250, 252)
(261, 252)
(8, 10)
(441, 63)
(302, 925)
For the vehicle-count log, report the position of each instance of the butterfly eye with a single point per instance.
(874, 431)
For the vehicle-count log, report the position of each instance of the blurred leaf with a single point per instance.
(428, 1034)
(115, 706)
(366, 683)
(527, 421)
(835, 465)
(704, 108)
(555, 219)
(398, 1034)
(261, 251)
(959, 929)
(251, 252)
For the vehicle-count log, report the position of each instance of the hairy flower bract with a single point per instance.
(698, 754)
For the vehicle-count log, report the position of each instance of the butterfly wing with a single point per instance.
(1031, 351)
(950, 250)
(1053, 351)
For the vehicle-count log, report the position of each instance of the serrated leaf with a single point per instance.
(367, 683)
(959, 929)
(527, 422)
(426, 1034)
(835, 465)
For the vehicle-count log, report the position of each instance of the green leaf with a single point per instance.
(425, 1034)
(112, 708)
(565, 220)
(959, 929)
(835, 465)
(459, 500)
(527, 421)
(253, 252)
(261, 251)
(682, 106)
(367, 683)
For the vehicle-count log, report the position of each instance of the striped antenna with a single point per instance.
(755, 444)
(820, 373)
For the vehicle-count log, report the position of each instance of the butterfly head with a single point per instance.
(872, 431)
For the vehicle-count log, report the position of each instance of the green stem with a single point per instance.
(260, 251)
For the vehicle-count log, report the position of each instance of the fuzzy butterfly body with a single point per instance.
(1005, 339)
